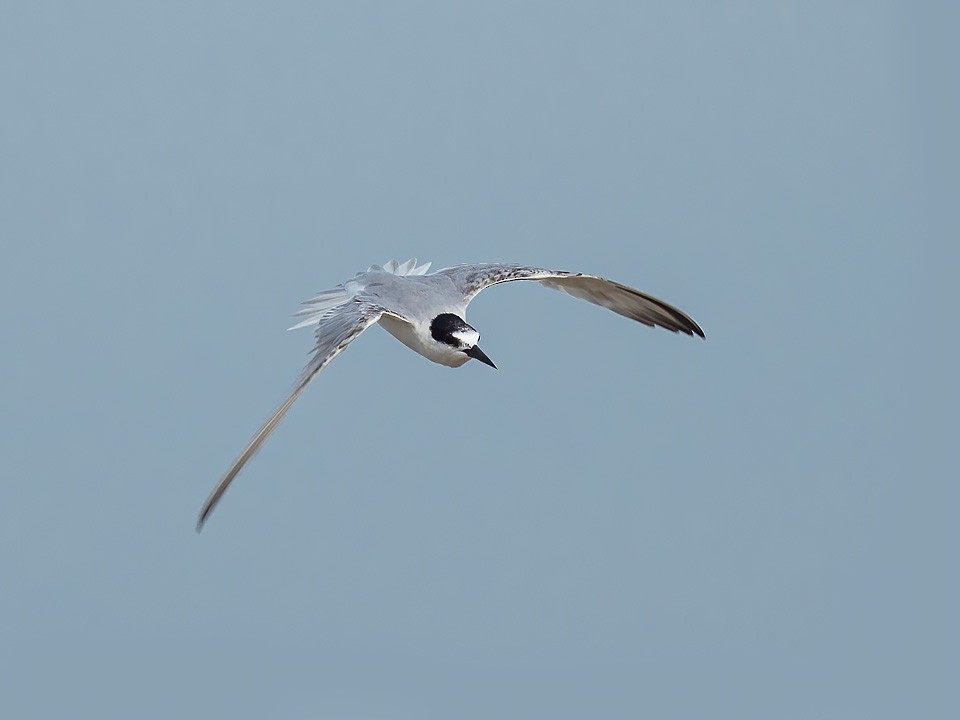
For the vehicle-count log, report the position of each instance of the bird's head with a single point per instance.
(453, 332)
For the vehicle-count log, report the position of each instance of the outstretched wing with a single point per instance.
(623, 300)
(338, 328)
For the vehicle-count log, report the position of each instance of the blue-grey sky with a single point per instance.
(618, 523)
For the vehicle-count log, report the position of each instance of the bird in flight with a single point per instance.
(426, 312)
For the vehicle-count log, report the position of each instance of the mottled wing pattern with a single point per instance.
(471, 279)
(337, 329)
(623, 300)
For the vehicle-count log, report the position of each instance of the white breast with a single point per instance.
(418, 339)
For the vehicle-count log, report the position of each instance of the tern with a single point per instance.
(426, 312)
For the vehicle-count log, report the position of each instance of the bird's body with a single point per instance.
(423, 297)
(427, 313)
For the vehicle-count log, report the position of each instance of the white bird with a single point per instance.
(426, 313)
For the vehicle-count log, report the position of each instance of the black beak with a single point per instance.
(478, 354)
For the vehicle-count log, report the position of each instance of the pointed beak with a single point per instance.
(478, 354)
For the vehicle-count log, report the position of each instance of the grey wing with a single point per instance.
(623, 300)
(336, 330)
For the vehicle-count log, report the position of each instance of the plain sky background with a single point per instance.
(618, 523)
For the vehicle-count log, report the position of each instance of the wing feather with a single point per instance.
(623, 300)
(334, 332)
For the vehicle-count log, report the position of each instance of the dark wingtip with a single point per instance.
(684, 324)
(202, 519)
